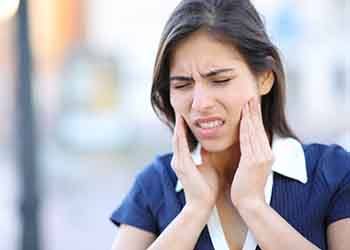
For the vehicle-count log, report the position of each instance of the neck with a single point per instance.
(226, 164)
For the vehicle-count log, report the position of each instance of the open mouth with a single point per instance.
(210, 129)
(210, 124)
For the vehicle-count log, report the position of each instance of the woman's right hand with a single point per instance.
(201, 184)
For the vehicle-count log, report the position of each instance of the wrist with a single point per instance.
(251, 207)
(196, 210)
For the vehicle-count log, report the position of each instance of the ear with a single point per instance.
(265, 82)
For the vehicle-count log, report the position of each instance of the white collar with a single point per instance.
(289, 159)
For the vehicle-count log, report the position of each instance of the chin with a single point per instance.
(215, 146)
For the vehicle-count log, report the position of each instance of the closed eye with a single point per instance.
(181, 86)
(221, 81)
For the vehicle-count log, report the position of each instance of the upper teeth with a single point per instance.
(211, 124)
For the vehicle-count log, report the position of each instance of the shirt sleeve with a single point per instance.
(135, 211)
(340, 203)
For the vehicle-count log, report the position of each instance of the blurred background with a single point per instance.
(90, 71)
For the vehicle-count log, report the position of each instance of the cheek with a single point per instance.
(243, 95)
(235, 105)
(178, 103)
(236, 101)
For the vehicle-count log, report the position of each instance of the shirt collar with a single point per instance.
(289, 159)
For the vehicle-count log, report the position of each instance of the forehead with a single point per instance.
(203, 51)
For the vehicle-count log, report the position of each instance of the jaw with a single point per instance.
(218, 145)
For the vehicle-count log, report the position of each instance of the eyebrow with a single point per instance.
(206, 75)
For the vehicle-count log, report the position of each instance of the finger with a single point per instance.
(266, 147)
(184, 160)
(252, 133)
(177, 159)
(259, 108)
(184, 148)
(175, 141)
(260, 137)
(243, 134)
(254, 113)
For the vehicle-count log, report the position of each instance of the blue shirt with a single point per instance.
(153, 202)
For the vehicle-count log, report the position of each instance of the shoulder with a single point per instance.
(157, 182)
(142, 203)
(329, 162)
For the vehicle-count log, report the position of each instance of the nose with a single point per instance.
(202, 99)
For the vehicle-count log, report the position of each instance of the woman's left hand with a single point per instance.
(256, 158)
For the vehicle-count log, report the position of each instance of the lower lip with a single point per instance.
(209, 133)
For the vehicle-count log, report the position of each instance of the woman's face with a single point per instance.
(209, 84)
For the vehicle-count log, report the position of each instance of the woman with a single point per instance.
(238, 178)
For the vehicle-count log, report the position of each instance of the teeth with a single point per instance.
(212, 124)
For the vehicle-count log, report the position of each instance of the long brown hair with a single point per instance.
(233, 21)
